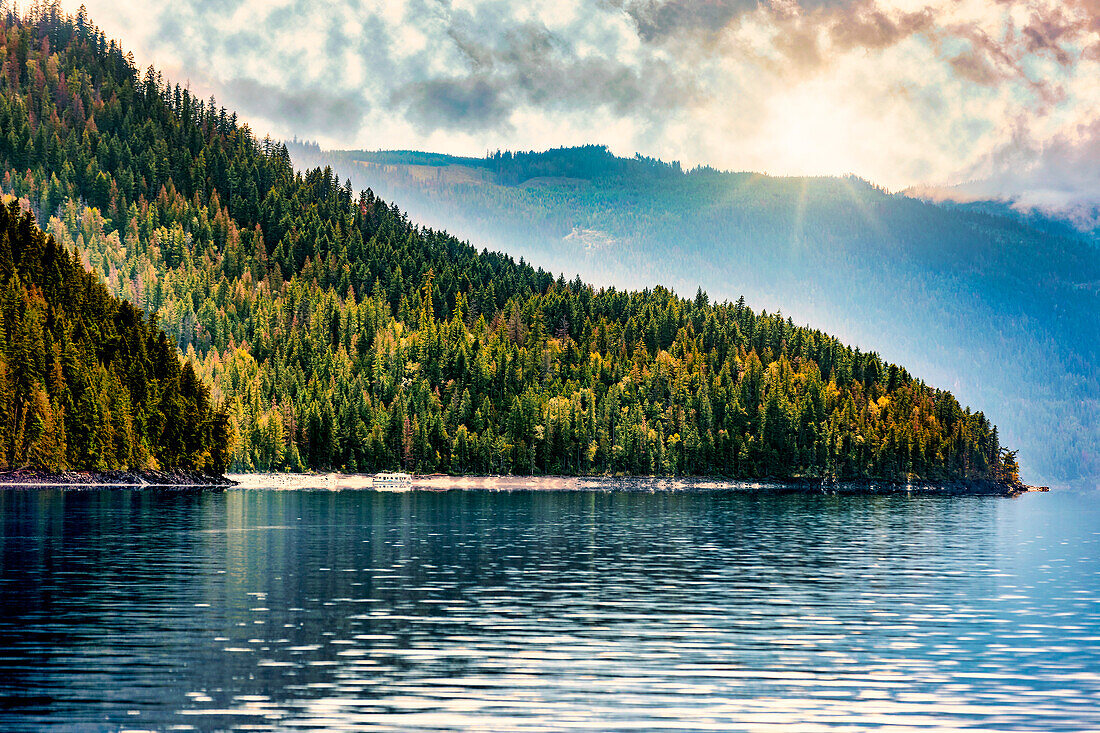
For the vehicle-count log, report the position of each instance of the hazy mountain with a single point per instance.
(337, 333)
(994, 303)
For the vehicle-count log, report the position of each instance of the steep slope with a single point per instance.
(338, 334)
(999, 306)
(1081, 223)
(86, 382)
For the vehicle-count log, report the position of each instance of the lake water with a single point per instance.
(531, 611)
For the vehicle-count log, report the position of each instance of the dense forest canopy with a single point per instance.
(88, 381)
(997, 303)
(338, 334)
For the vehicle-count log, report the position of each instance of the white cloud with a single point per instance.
(898, 91)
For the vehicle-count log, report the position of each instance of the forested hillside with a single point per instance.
(997, 305)
(86, 381)
(337, 334)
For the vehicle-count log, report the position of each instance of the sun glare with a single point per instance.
(810, 132)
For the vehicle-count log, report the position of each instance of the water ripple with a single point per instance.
(269, 610)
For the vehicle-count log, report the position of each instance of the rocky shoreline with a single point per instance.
(689, 484)
(818, 486)
(445, 482)
(167, 480)
(174, 479)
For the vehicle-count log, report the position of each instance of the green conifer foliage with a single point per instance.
(338, 334)
(88, 381)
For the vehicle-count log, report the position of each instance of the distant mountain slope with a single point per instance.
(340, 335)
(1080, 223)
(999, 307)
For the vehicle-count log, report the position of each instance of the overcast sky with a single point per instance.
(901, 92)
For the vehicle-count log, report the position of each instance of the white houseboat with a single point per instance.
(392, 481)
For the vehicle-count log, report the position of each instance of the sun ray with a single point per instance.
(799, 214)
(864, 211)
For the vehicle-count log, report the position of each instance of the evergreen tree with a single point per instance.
(338, 334)
(86, 380)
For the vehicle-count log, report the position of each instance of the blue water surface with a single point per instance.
(531, 611)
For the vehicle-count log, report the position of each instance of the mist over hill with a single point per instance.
(996, 304)
(336, 333)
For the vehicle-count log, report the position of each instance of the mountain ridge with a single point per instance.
(338, 334)
(991, 302)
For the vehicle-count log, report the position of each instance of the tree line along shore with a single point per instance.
(322, 330)
(189, 480)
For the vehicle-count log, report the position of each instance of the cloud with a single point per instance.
(1057, 176)
(454, 103)
(868, 27)
(528, 65)
(1059, 172)
(657, 20)
(975, 66)
(897, 91)
(301, 108)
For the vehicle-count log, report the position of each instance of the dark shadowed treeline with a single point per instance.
(339, 335)
(86, 381)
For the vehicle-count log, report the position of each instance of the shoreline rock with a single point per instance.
(445, 482)
(773, 486)
(178, 479)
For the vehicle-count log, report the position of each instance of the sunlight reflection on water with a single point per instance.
(548, 611)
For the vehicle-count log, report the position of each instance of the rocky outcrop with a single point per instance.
(28, 478)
